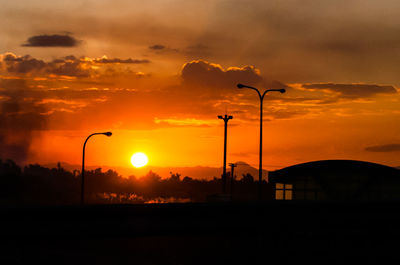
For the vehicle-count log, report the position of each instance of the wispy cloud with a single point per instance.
(187, 122)
(353, 90)
(384, 148)
(157, 47)
(123, 61)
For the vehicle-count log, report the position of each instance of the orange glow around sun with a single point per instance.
(139, 159)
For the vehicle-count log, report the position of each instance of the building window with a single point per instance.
(283, 191)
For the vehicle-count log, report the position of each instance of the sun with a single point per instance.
(139, 159)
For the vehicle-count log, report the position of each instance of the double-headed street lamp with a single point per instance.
(83, 164)
(261, 96)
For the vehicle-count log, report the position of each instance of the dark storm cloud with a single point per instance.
(51, 41)
(384, 148)
(157, 47)
(213, 75)
(353, 90)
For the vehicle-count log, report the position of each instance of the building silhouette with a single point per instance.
(337, 180)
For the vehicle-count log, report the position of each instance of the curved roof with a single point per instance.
(336, 168)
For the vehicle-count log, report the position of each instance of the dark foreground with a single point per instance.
(265, 233)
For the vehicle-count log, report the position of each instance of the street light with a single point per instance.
(83, 164)
(261, 96)
(226, 118)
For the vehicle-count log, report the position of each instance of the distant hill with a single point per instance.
(197, 172)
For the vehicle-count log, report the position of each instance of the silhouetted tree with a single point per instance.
(10, 174)
(247, 178)
(40, 185)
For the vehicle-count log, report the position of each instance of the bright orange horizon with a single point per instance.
(158, 82)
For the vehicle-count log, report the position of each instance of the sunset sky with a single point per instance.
(157, 73)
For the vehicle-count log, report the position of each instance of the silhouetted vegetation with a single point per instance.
(35, 184)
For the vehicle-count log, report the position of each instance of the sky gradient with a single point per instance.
(157, 74)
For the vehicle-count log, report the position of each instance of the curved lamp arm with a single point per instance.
(83, 164)
(259, 94)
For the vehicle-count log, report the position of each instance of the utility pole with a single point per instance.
(226, 118)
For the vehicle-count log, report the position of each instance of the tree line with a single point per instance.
(35, 184)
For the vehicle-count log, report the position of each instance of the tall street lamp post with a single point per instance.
(83, 165)
(261, 97)
(226, 118)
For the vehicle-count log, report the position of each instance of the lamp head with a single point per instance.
(108, 133)
(220, 117)
(240, 85)
(282, 90)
